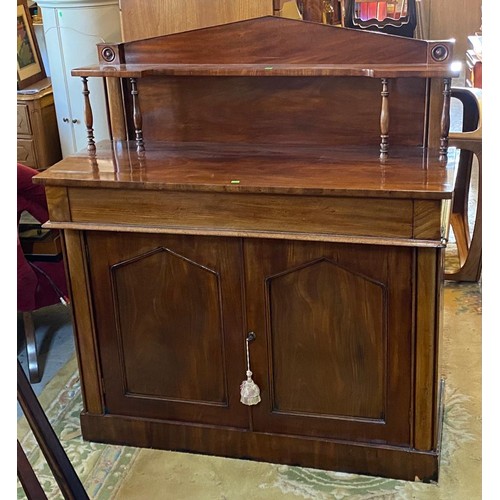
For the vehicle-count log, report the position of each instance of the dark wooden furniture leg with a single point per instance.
(62, 469)
(27, 477)
(31, 349)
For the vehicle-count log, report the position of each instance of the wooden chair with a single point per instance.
(41, 277)
(469, 140)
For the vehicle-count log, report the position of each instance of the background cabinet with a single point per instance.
(72, 28)
(37, 135)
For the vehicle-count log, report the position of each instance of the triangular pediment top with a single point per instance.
(275, 40)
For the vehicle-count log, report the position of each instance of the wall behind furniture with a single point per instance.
(445, 19)
(143, 19)
(453, 19)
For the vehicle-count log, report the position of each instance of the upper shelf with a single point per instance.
(375, 71)
(273, 46)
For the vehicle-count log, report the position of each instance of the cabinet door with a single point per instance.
(333, 346)
(168, 310)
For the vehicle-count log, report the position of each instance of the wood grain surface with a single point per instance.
(410, 172)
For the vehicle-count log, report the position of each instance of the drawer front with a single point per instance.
(270, 214)
(23, 120)
(26, 152)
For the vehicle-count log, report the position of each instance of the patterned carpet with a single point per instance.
(116, 472)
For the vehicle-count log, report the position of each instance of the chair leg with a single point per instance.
(31, 349)
(469, 249)
(460, 212)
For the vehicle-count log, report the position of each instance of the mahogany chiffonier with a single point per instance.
(275, 198)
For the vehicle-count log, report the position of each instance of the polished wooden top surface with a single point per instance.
(270, 69)
(410, 172)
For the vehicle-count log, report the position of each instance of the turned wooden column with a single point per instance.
(445, 120)
(89, 119)
(384, 120)
(137, 115)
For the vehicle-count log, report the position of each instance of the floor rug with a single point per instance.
(118, 472)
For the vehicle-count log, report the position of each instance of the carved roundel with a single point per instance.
(108, 54)
(439, 52)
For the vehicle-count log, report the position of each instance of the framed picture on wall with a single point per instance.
(29, 63)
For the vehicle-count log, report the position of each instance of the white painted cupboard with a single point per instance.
(72, 28)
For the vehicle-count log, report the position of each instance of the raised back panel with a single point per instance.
(279, 110)
(269, 80)
(251, 109)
